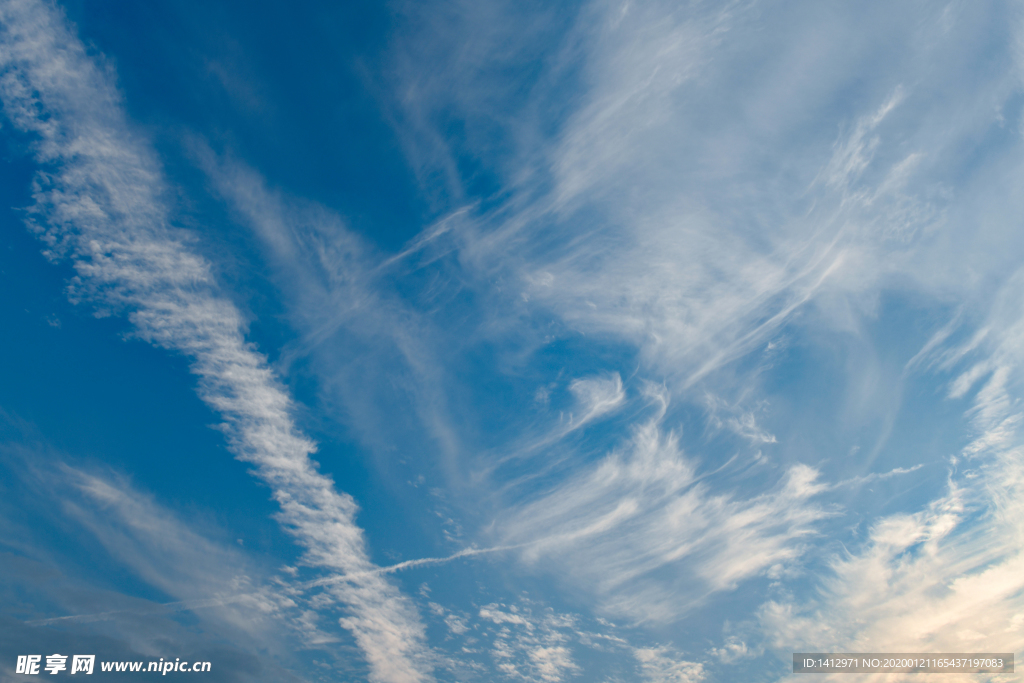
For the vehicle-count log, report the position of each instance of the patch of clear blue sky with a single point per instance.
(293, 92)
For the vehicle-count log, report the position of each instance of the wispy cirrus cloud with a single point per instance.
(950, 576)
(101, 203)
(168, 555)
(530, 648)
(680, 207)
(63, 525)
(596, 396)
(644, 532)
(718, 179)
(659, 666)
(523, 639)
(666, 187)
(347, 304)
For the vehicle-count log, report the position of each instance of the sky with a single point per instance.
(597, 341)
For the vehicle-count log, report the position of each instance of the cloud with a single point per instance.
(229, 665)
(732, 649)
(344, 298)
(100, 203)
(642, 530)
(719, 175)
(638, 59)
(743, 423)
(675, 186)
(168, 555)
(596, 396)
(536, 649)
(716, 172)
(948, 577)
(58, 520)
(527, 640)
(660, 666)
(853, 154)
(715, 175)
(609, 248)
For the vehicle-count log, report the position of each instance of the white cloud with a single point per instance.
(683, 205)
(950, 576)
(733, 649)
(741, 422)
(218, 583)
(531, 647)
(658, 665)
(636, 64)
(341, 297)
(235, 603)
(642, 220)
(596, 396)
(617, 525)
(714, 177)
(551, 663)
(646, 212)
(165, 552)
(100, 203)
(528, 641)
(853, 154)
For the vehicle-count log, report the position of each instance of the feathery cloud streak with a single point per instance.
(949, 577)
(99, 201)
(721, 169)
(690, 211)
(653, 540)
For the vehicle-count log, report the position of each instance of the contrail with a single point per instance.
(100, 203)
(163, 608)
(186, 605)
(468, 552)
(408, 564)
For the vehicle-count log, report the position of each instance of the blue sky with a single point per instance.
(598, 341)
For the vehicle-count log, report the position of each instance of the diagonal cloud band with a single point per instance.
(99, 202)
